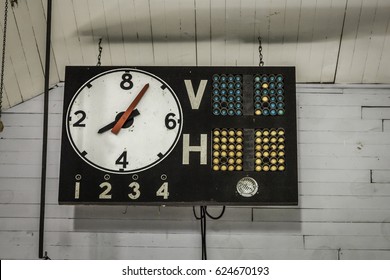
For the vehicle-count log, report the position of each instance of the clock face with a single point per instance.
(105, 137)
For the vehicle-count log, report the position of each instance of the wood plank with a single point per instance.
(275, 28)
(345, 202)
(35, 120)
(381, 176)
(153, 253)
(38, 21)
(35, 105)
(67, 19)
(376, 43)
(11, 86)
(95, 253)
(262, 27)
(99, 29)
(362, 41)
(88, 44)
(232, 32)
(187, 33)
(348, 242)
(349, 189)
(288, 233)
(159, 32)
(29, 133)
(318, 89)
(272, 254)
(316, 175)
(305, 42)
(333, 34)
(344, 150)
(23, 145)
(320, 44)
(339, 125)
(386, 125)
(141, 240)
(384, 63)
(27, 171)
(15, 56)
(117, 212)
(376, 113)
(30, 50)
(341, 137)
(144, 32)
(4, 100)
(114, 31)
(58, 42)
(344, 99)
(203, 32)
(130, 24)
(290, 32)
(328, 112)
(176, 49)
(319, 215)
(247, 37)
(218, 32)
(365, 254)
(348, 42)
(337, 162)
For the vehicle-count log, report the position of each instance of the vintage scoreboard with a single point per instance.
(179, 136)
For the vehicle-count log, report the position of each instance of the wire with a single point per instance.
(203, 225)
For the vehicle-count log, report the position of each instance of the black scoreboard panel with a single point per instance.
(238, 144)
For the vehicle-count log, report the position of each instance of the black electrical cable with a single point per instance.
(203, 218)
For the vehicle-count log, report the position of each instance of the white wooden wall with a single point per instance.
(344, 211)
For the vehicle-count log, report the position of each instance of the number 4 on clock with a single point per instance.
(163, 191)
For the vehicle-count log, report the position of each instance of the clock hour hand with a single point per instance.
(128, 122)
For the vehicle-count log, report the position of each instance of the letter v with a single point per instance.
(195, 99)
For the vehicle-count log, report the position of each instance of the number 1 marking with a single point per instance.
(77, 190)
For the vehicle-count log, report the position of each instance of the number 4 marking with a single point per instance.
(163, 191)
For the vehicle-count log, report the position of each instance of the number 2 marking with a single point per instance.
(79, 122)
(105, 194)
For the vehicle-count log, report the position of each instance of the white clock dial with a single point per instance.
(145, 139)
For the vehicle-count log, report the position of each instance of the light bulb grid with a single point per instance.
(227, 96)
(228, 149)
(268, 95)
(270, 150)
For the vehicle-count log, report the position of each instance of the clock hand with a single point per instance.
(128, 122)
(119, 124)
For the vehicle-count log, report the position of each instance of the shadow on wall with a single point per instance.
(154, 219)
(269, 22)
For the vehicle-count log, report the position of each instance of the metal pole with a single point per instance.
(45, 129)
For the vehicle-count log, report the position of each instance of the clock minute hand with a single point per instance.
(119, 124)
(112, 124)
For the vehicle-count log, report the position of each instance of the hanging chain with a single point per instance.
(3, 62)
(261, 62)
(99, 63)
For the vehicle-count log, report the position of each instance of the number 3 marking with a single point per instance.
(135, 188)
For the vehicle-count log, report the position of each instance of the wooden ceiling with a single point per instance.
(329, 41)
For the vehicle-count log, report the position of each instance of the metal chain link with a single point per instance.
(99, 63)
(261, 62)
(3, 62)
